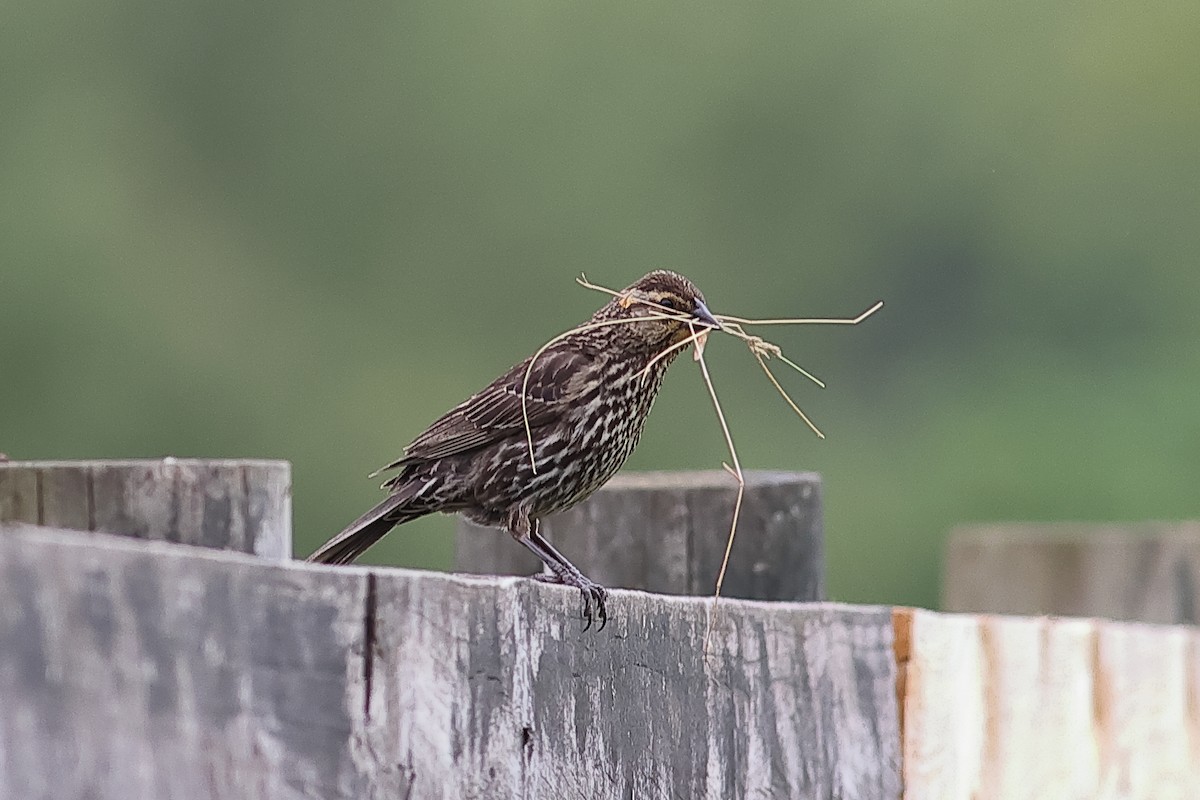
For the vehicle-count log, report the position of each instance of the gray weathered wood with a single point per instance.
(18, 494)
(793, 700)
(666, 532)
(1148, 572)
(242, 505)
(140, 670)
(147, 671)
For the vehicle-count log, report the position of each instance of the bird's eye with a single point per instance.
(670, 303)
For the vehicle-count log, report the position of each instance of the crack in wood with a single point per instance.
(369, 643)
(41, 497)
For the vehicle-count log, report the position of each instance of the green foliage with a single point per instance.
(303, 230)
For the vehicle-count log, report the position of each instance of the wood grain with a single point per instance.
(1001, 708)
(147, 671)
(666, 532)
(229, 505)
(1145, 572)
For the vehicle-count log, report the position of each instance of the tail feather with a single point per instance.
(365, 531)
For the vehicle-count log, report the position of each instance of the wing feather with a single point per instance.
(495, 412)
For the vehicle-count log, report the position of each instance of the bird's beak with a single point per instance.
(702, 313)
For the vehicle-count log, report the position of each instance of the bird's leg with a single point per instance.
(571, 576)
(568, 574)
(562, 571)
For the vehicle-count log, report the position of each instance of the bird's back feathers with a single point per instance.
(495, 412)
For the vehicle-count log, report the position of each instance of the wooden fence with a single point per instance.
(1148, 572)
(245, 506)
(666, 532)
(146, 669)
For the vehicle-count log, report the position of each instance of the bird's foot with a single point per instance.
(590, 592)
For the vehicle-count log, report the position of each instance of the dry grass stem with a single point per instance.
(801, 370)
(736, 471)
(626, 301)
(762, 362)
(697, 336)
(762, 349)
(722, 318)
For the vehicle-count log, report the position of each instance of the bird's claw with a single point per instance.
(594, 593)
(591, 593)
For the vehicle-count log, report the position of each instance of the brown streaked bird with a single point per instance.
(586, 398)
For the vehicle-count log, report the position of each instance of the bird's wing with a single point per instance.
(495, 413)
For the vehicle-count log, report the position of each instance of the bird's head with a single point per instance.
(665, 303)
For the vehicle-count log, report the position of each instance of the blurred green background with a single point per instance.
(303, 230)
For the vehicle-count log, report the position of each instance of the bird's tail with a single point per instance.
(365, 531)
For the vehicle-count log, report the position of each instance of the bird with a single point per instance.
(546, 434)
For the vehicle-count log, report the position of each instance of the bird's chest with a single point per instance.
(604, 435)
(593, 441)
(619, 412)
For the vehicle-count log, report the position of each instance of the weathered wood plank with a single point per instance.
(792, 701)
(1145, 701)
(231, 505)
(267, 512)
(20, 499)
(137, 670)
(1147, 572)
(67, 500)
(666, 531)
(1000, 708)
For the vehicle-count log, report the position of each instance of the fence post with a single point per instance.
(1147, 572)
(666, 532)
(242, 505)
(141, 671)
